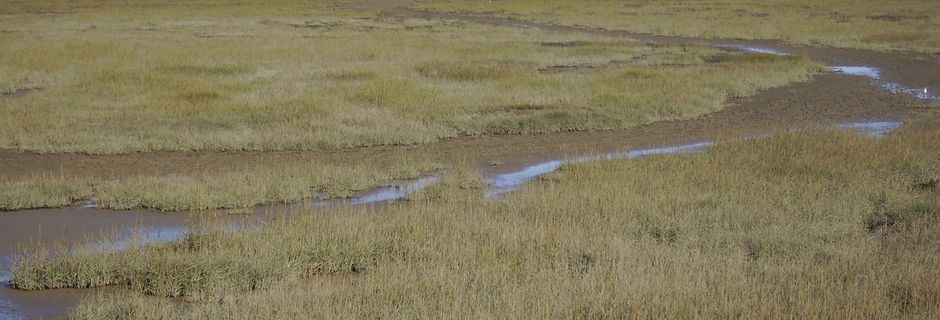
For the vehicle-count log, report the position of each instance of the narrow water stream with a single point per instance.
(875, 75)
(508, 182)
(872, 73)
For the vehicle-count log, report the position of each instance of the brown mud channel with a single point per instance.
(830, 99)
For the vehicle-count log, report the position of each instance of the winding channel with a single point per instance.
(910, 77)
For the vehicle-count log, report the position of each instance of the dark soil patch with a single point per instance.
(929, 184)
(567, 68)
(521, 108)
(564, 44)
(315, 25)
(19, 93)
(886, 17)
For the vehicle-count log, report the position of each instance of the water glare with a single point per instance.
(875, 75)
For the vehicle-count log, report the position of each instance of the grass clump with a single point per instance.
(909, 25)
(885, 216)
(753, 229)
(200, 266)
(262, 184)
(472, 71)
(451, 186)
(44, 191)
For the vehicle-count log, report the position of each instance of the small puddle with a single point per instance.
(875, 75)
(44, 304)
(753, 49)
(19, 93)
(6, 310)
(870, 72)
(507, 182)
(141, 236)
(874, 129)
(385, 194)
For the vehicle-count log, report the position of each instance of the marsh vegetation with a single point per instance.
(261, 184)
(292, 76)
(908, 25)
(805, 225)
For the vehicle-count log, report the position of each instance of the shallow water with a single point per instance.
(874, 129)
(875, 75)
(508, 182)
(141, 236)
(753, 49)
(395, 192)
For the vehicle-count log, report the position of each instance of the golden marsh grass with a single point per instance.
(806, 225)
(294, 76)
(243, 188)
